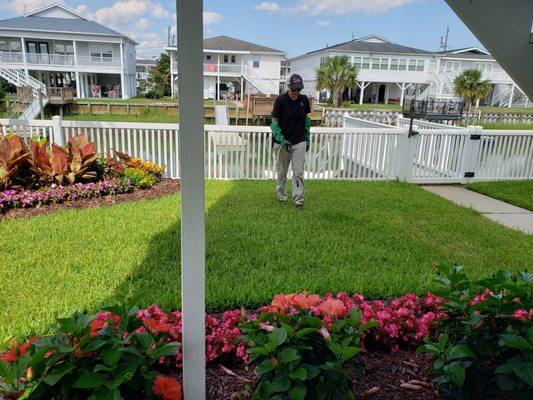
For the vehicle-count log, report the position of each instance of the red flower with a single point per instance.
(167, 388)
(17, 351)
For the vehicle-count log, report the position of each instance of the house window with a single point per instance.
(9, 46)
(394, 64)
(101, 52)
(233, 60)
(366, 63)
(375, 63)
(402, 65)
(255, 61)
(412, 65)
(226, 58)
(323, 60)
(420, 64)
(384, 63)
(357, 61)
(63, 48)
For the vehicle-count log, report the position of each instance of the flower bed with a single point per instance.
(36, 175)
(23, 198)
(301, 345)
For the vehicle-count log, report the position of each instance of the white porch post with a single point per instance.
(218, 77)
(361, 93)
(511, 97)
(122, 87)
(191, 155)
(24, 56)
(171, 84)
(387, 89)
(402, 88)
(74, 45)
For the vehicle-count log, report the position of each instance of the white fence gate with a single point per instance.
(360, 150)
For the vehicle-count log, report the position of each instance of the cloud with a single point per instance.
(337, 7)
(322, 23)
(26, 6)
(266, 6)
(159, 11)
(143, 23)
(211, 17)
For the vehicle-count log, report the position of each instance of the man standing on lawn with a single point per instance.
(291, 129)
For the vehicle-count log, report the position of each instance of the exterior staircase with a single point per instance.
(502, 99)
(256, 81)
(29, 104)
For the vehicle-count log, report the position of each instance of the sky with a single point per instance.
(293, 26)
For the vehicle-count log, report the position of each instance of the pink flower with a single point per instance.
(325, 333)
(521, 314)
(266, 327)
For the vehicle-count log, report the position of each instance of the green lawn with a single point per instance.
(377, 238)
(512, 110)
(519, 193)
(141, 100)
(505, 125)
(151, 116)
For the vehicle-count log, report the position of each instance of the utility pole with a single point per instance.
(444, 40)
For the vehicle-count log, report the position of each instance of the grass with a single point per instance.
(377, 238)
(141, 100)
(151, 116)
(389, 107)
(506, 125)
(518, 193)
(505, 110)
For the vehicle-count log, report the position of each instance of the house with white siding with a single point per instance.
(233, 67)
(390, 72)
(63, 49)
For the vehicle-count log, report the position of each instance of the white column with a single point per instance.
(218, 77)
(191, 156)
(24, 54)
(74, 45)
(387, 89)
(122, 87)
(361, 93)
(171, 84)
(402, 88)
(511, 97)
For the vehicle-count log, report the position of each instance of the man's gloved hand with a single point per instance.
(307, 133)
(276, 131)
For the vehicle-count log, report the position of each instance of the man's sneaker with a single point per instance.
(299, 206)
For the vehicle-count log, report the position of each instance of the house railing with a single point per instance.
(11, 58)
(246, 152)
(60, 95)
(103, 62)
(215, 68)
(62, 60)
(50, 59)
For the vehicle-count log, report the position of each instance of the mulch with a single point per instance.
(161, 188)
(403, 375)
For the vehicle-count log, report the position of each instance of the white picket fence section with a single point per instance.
(354, 122)
(360, 152)
(401, 122)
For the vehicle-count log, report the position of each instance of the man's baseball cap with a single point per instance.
(295, 82)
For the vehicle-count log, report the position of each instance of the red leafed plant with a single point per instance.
(39, 161)
(75, 162)
(13, 156)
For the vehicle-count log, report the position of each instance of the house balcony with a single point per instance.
(214, 69)
(60, 60)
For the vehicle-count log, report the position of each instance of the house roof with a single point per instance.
(232, 44)
(372, 44)
(466, 53)
(72, 22)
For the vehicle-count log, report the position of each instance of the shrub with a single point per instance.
(13, 161)
(139, 178)
(90, 357)
(485, 347)
(301, 344)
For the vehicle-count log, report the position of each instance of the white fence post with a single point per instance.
(57, 136)
(470, 151)
(406, 155)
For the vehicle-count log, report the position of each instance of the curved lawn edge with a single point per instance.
(518, 193)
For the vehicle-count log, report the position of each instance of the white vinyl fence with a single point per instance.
(361, 150)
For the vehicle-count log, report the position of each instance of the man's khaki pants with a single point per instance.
(283, 159)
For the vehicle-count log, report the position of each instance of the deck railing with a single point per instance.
(246, 152)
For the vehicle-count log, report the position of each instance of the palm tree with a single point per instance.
(336, 74)
(471, 87)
